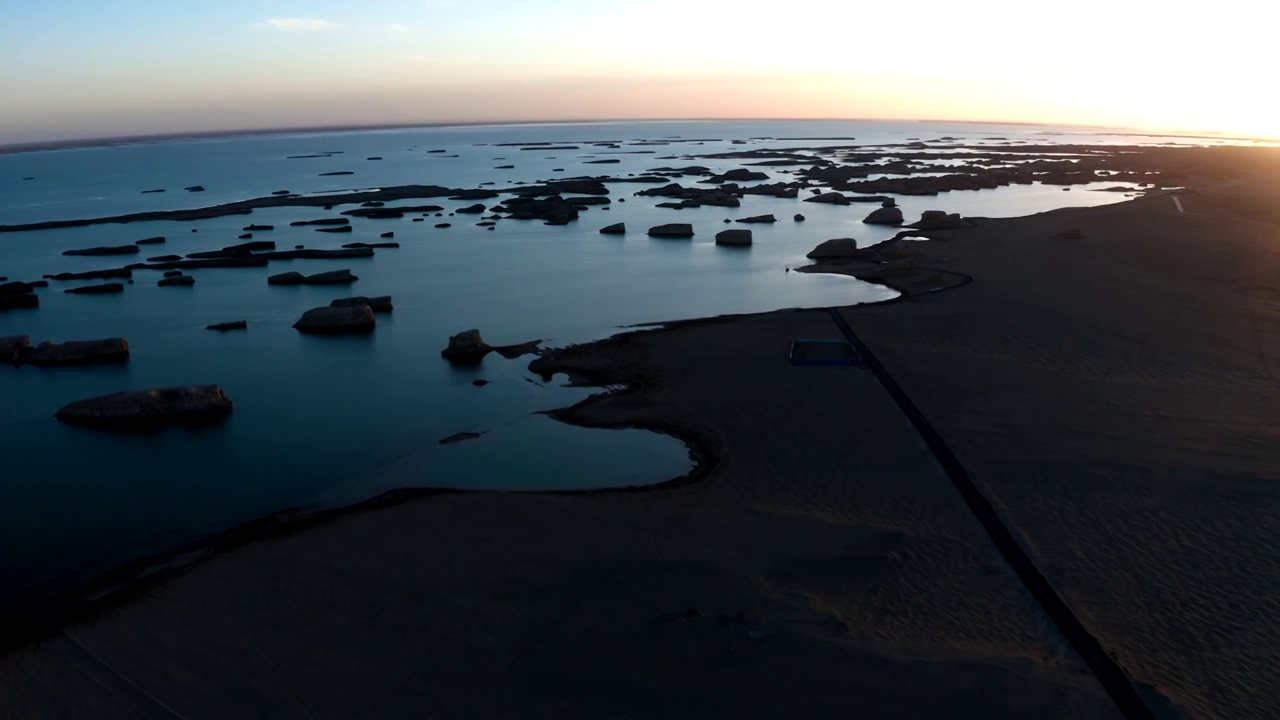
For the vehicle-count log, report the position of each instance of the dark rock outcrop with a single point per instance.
(380, 304)
(19, 302)
(758, 219)
(148, 408)
(103, 289)
(258, 228)
(337, 229)
(287, 278)
(16, 288)
(472, 209)
(233, 325)
(150, 241)
(831, 198)
(332, 277)
(885, 216)
(940, 220)
(177, 281)
(321, 221)
(837, 248)
(241, 250)
(672, 230)
(113, 273)
(78, 352)
(14, 348)
(798, 218)
(95, 251)
(337, 320)
(614, 229)
(466, 347)
(739, 238)
(372, 245)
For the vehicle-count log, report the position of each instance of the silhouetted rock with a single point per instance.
(333, 277)
(117, 250)
(387, 235)
(14, 348)
(614, 229)
(466, 347)
(287, 278)
(885, 216)
(150, 241)
(798, 218)
(672, 230)
(321, 221)
(241, 250)
(148, 408)
(443, 225)
(759, 219)
(233, 325)
(381, 303)
(733, 237)
(172, 273)
(78, 352)
(472, 209)
(337, 172)
(372, 245)
(16, 288)
(194, 188)
(338, 229)
(837, 248)
(939, 220)
(177, 280)
(831, 198)
(164, 258)
(258, 228)
(103, 289)
(337, 320)
(94, 274)
(221, 262)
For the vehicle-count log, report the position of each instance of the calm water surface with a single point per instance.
(317, 418)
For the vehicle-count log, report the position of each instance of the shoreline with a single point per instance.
(48, 614)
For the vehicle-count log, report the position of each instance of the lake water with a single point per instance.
(317, 418)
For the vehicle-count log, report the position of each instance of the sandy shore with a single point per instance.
(1110, 394)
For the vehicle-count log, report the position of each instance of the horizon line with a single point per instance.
(116, 140)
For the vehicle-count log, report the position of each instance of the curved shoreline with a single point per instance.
(36, 621)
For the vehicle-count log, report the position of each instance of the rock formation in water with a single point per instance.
(734, 237)
(146, 408)
(94, 251)
(380, 304)
(837, 248)
(78, 352)
(672, 230)
(337, 320)
(102, 289)
(884, 216)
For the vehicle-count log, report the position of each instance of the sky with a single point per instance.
(74, 69)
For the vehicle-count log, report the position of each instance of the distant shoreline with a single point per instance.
(84, 143)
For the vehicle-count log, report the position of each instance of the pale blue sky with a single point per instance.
(113, 67)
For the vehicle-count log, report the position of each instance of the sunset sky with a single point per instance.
(88, 68)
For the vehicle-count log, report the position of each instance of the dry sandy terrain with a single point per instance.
(826, 524)
(1112, 396)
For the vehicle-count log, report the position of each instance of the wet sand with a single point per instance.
(1111, 395)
